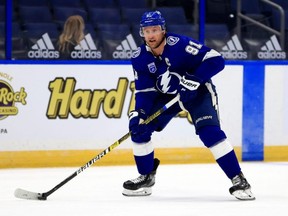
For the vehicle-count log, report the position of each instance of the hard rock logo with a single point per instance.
(9, 98)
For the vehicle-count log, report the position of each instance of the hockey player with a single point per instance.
(165, 65)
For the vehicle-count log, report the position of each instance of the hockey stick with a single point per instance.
(24, 194)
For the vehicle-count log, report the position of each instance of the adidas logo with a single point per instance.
(234, 49)
(86, 49)
(271, 50)
(43, 48)
(125, 49)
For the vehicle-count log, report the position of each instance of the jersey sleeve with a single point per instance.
(145, 91)
(207, 62)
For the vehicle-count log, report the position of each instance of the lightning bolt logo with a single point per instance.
(165, 80)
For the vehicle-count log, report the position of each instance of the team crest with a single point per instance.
(152, 67)
(171, 40)
(136, 53)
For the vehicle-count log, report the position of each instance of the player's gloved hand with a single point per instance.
(140, 133)
(188, 87)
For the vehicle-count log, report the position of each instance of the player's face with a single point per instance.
(153, 36)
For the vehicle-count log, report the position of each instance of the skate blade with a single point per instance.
(140, 192)
(244, 194)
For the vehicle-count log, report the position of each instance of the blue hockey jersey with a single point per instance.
(161, 74)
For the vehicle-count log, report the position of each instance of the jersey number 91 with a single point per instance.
(193, 48)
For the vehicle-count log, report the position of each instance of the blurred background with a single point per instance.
(239, 29)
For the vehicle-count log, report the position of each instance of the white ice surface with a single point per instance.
(194, 190)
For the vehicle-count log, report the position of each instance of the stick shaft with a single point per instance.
(110, 148)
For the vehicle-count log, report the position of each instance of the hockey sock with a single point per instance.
(144, 157)
(229, 164)
(215, 139)
(145, 164)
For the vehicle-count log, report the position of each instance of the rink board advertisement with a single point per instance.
(78, 110)
(86, 107)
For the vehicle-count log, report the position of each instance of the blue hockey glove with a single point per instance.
(140, 133)
(188, 88)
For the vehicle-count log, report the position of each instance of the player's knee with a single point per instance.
(210, 135)
(141, 138)
(144, 136)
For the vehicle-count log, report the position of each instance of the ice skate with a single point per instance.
(241, 189)
(141, 186)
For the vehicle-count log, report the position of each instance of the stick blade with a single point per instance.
(24, 194)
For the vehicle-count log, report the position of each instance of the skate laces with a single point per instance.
(141, 178)
(236, 180)
(240, 181)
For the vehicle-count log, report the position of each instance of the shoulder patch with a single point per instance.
(152, 67)
(136, 53)
(171, 40)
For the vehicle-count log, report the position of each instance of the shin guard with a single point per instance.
(144, 157)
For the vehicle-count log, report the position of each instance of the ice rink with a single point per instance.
(194, 190)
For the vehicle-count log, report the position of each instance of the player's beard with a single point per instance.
(157, 44)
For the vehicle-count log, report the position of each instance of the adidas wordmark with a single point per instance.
(43, 48)
(233, 49)
(271, 50)
(86, 49)
(125, 49)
